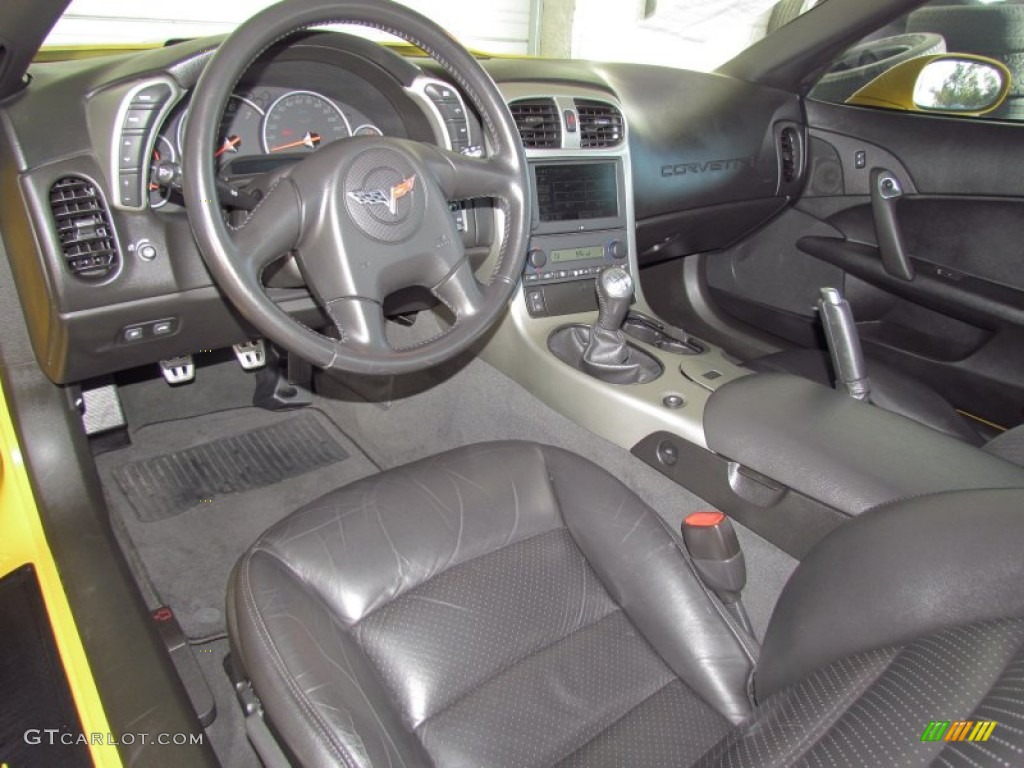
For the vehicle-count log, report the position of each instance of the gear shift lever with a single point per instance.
(614, 292)
(601, 350)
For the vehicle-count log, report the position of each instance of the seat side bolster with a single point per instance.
(313, 667)
(643, 569)
(896, 573)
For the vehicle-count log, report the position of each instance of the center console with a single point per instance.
(579, 228)
(576, 141)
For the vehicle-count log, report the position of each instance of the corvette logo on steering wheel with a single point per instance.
(389, 198)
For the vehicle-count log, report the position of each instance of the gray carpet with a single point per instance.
(227, 732)
(187, 558)
(400, 419)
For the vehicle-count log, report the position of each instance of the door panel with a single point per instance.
(959, 322)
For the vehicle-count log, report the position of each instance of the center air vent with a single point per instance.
(83, 228)
(601, 124)
(538, 123)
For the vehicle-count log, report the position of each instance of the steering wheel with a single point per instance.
(364, 216)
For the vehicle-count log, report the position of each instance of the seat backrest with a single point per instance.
(900, 638)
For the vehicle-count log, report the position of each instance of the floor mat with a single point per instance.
(168, 485)
(187, 557)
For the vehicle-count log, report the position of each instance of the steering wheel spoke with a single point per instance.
(464, 177)
(461, 292)
(271, 230)
(360, 323)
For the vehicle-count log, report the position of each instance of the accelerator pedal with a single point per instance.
(251, 354)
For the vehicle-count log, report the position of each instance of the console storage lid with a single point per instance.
(847, 454)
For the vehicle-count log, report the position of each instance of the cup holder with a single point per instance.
(660, 336)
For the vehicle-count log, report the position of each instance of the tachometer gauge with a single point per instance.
(237, 133)
(366, 129)
(300, 121)
(163, 152)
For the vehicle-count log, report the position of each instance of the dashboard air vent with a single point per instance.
(83, 228)
(601, 124)
(789, 146)
(538, 122)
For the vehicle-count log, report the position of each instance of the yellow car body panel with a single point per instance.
(23, 542)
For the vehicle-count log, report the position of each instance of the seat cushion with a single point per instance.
(500, 604)
(890, 389)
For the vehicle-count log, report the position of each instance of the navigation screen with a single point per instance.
(577, 191)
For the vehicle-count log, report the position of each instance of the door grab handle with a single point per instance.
(886, 191)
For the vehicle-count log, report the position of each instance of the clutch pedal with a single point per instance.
(251, 354)
(178, 370)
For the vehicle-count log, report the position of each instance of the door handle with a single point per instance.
(886, 191)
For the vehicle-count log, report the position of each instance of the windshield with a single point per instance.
(693, 34)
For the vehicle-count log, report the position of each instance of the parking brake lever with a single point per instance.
(844, 344)
(885, 193)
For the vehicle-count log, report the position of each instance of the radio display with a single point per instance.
(569, 192)
(577, 254)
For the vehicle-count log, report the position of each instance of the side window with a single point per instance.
(990, 28)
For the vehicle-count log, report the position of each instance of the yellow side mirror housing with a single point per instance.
(941, 83)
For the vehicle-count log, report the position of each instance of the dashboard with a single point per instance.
(104, 257)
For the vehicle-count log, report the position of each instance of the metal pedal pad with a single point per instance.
(101, 409)
(251, 354)
(178, 370)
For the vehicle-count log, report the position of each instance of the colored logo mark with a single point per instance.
(958, 730)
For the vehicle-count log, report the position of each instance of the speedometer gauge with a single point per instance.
(300, 121)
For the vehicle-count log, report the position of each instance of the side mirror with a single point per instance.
(944, 83)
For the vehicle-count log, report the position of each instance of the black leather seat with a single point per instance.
(510, 604)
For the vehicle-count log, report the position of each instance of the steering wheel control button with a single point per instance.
(152, 95)
(136, 119)
(132, 146)
(128, 190)
(440, 92)
(384, 196)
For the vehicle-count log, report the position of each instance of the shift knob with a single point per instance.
(614, 293)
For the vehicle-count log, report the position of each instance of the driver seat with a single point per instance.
(512, 604)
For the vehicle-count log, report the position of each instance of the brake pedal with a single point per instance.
(178, 370)
(251, 354)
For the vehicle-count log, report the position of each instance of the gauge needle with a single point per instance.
(230, 145)
(309, 140)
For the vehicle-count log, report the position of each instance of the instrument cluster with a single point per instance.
(260, 123)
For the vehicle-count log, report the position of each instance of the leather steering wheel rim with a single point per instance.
(317, 201)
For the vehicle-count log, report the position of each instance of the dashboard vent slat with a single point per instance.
(83, 227)
(789, 154)
(538, 122)
(601, 124)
